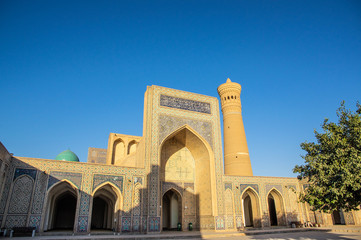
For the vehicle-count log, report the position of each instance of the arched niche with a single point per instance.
(62, 200)
(188, 146)
(171, 209)
(118, 151)
(106, 202)
(276, 208)
(251, 208)
(132, 147)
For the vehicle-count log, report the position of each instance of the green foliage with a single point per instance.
(333, 164)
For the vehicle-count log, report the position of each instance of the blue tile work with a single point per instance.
(239, 222)
(242, 187)
(100, 178)
(138, 180)
(144, 224)
(269, 187)
(84, 204)
(126, 224)
(35, 222)
(154, 224)
(220, 223)
(55, 177)
(227, 186)
(83, 224)
(39, 194)
(22, 171)
(185, 104)
(136, 224)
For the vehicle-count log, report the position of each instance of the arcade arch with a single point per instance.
(276, 208)
(61, 205)
(105, 207)
(171, 209)
(251, 208)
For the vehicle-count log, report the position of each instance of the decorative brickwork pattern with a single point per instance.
(242, 187)
(21, 195)
(136, 200)
(35, 221)
(154, 224)
(56, 176)
(39, 195)
(220, 223)
(101, 178)
(83, 224)
(126, 224)
(15, 221)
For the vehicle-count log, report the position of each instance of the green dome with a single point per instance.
(67, 155)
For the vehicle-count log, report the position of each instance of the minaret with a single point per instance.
(236, 156)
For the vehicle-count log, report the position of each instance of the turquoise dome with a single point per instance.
(67, 155)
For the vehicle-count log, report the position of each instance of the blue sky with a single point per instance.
(71, 72)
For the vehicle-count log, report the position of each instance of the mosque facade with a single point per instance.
(175, 175)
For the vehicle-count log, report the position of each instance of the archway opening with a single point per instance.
(61, 207)
(104, 211)
(272, 211)
(248, 216)
(172, 210)
(276, 209)
(65, 206)
(251, 209)
(186, 158)
(336, 216)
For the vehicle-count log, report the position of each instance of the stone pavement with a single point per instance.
(333, 232)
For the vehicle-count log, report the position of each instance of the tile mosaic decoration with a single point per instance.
(349, 219)
(126, 224)
(34, 221)
(21, 195)
(117, 180)
(269, 187)
(73, 177)
(136, 224)
(137, 199)
(15, 221)
(22, 171)
(154, 224)
(144, 224)
(39, 195)
(82, 223)
(242, 187)
(84, 204)
(6, 190)
(220, 223)
(228, 186)
(185, 104)
(239, 222)
(169, 124)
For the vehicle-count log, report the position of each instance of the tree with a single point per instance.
(333, 164)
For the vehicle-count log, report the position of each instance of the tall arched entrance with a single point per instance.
(336, 217)
(171, 210)
(251, 212)
(105, 208)
(276, 209)
(61, 207)
(187, 162)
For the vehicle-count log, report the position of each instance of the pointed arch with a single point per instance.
(276, 209)
(172, 207)
(201, 151)
(106, 206)
(21, 195)
(61, 200)
(132, 147)
(251, 208)
(118, 150)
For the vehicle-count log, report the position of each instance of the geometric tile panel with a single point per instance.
(168, 124)
(21, 171)
(154, 224)
(126, 224)
(39, 194)
(56, 176)
(84, 204)
(227, 186)
(82, 223)
(144, 224)
(269, 187)
(15, 221)
(100, 178)
(21, 195)
(136, 224)
(239, 222)
(220, 223)
(35, 221)
(244, 186)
